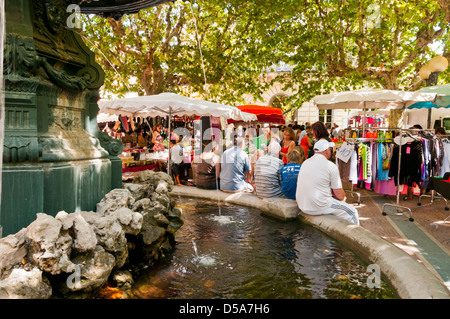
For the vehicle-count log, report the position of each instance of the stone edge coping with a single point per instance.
(405, 275)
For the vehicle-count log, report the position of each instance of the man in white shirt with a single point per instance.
(176, 160)
(319, 186)
(337, 131)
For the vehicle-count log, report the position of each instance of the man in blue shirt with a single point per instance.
(234, 169)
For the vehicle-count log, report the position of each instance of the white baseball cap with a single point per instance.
(322, 145)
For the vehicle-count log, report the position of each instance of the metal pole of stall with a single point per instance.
(171, 111)
(2, 101)
(168, 133)
(364, 121)
(398, 183)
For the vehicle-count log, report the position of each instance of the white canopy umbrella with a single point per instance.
(103, 118)
(170, 104)
(371, 99)
(368, 98)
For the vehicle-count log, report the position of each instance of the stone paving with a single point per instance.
(427, 238)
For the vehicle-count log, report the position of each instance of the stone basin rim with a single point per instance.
(404, 274)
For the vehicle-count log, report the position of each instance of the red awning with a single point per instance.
(264, 113)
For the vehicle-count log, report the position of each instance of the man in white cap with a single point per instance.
(319, 186)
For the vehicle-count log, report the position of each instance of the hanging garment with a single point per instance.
(426, 161)
(374, 166)
(383, 157)
(369, 166)
(387, 157)
(124, 121)
(344, 169)
(386, 187)
(446, 157)
(353, 174)
(410, 165)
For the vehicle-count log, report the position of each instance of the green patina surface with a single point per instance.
(54, 157)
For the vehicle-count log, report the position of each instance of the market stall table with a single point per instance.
(440, 185)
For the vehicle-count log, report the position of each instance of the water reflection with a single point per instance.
(242, 254)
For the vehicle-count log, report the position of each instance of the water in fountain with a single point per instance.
(254, 257)
(204, 260)
(2, 97)
(195, 248)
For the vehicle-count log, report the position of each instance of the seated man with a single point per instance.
(319, 186)
(234, 169)
(268, 174)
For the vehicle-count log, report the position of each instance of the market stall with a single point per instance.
(265, 114)
(368, 98)
(432, 114)
(168, 105)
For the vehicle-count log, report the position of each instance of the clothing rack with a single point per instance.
(362, 140)
(397, 204)
(401, 132)
(433, 193)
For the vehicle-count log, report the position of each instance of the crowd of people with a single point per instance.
(294, 162)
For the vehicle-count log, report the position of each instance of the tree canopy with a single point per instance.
(330, 45)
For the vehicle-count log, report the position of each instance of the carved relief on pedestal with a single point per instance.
(66, 60)
(20, 57)
(66, 139)
(64, 118)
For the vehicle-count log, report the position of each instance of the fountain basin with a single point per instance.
(405, 275)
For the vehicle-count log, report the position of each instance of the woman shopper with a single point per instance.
(307, 142)
(320, 131)
(287, 144)
(157, 139)
(158, 146)
(206, 177)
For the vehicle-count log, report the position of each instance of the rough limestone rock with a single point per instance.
(23, 284)
(84, 238)
(110, 235)
(175, 222)
(114, 200)
(50, 246)
(163, 188)
(153, 179)
(161, 198)
(89, 273)
(151, 233)
(73, 255)
(13, 250)
(138, 191)
(131, 221)
(123, 279)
